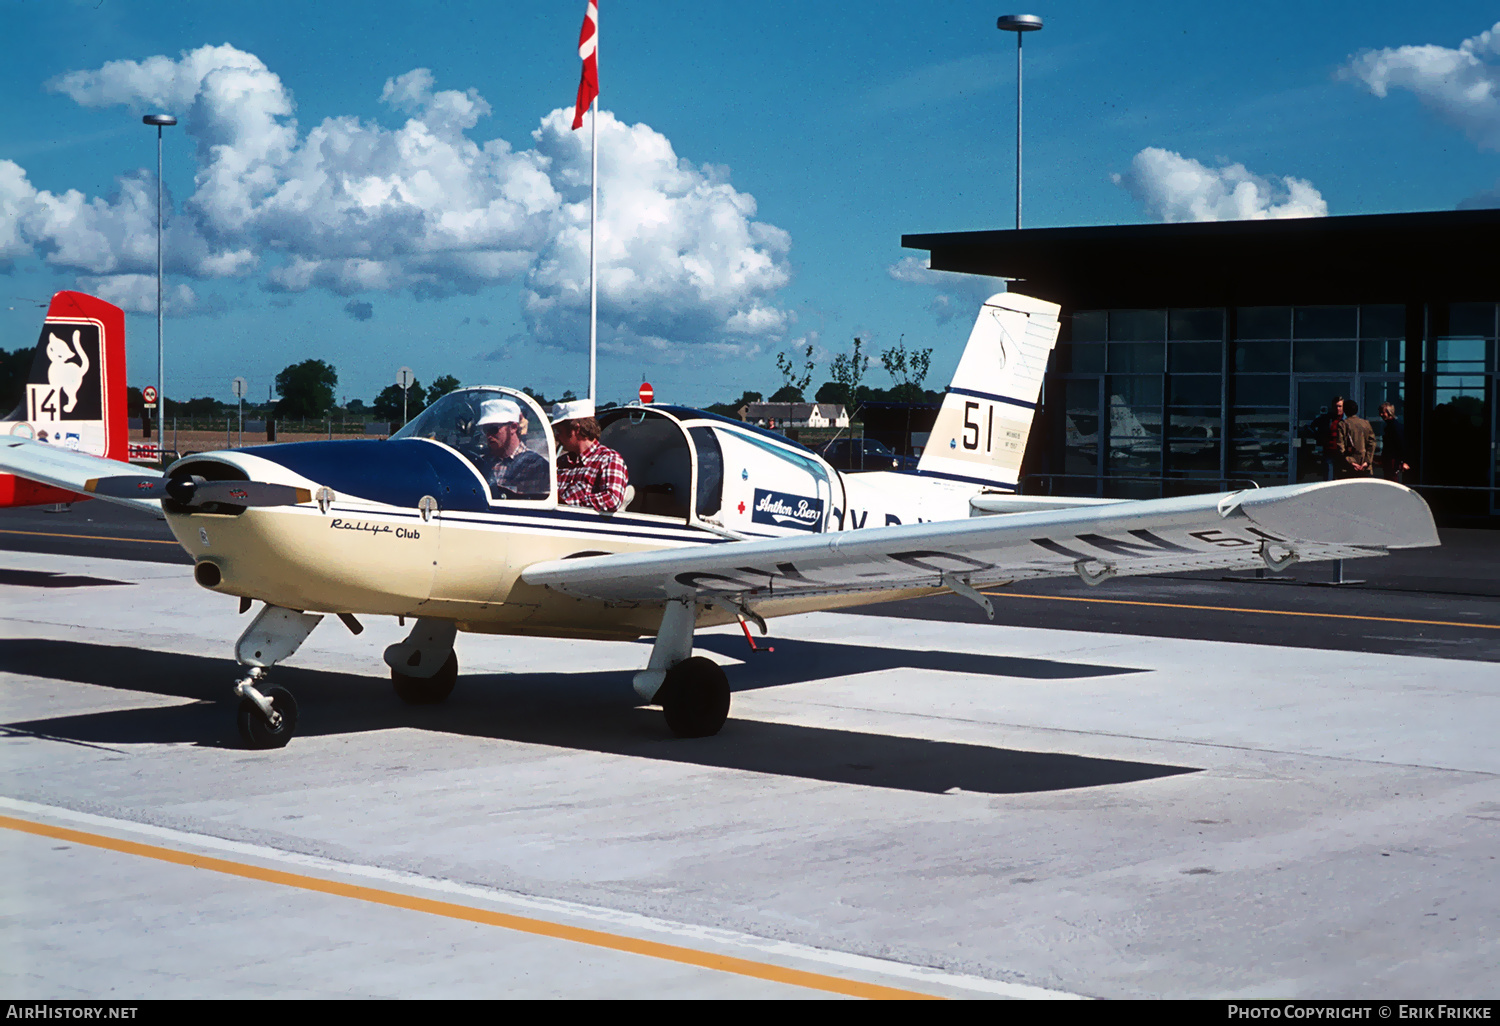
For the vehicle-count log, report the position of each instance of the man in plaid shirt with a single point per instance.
(589, 473)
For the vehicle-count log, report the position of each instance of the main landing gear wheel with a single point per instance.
(695, 698)
(427, 690)
(258, 731)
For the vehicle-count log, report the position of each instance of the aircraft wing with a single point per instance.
(1268, 526)
(65, 468)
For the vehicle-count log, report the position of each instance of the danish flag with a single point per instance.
(588, 49)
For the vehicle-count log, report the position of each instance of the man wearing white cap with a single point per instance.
(512, 470)
(589, 473)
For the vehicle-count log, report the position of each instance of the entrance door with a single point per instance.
(1314, 397)
(1495, 447)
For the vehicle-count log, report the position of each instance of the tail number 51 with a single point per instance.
(971, 426)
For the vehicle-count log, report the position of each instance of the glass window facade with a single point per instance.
(1168, 401)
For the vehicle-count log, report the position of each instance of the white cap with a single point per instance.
(575, 410)
(499, 411)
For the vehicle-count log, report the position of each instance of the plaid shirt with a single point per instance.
(523, 475)
(596, 480)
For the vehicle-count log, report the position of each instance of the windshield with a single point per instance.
(500, 431)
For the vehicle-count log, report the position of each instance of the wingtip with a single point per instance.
(1361, 511)
(90, 484)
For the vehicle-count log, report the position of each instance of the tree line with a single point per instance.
(846, 385)
(307, 390)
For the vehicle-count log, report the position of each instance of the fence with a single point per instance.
(323, 426)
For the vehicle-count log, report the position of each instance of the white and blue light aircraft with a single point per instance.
(723, 522)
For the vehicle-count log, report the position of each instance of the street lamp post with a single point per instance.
(404, 378)
(160, 121)
(1020, 24)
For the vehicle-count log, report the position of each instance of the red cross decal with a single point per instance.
(742, 507)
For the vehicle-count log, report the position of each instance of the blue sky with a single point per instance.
(379, 184)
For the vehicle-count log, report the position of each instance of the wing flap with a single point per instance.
(1325, 520)
(65, 468)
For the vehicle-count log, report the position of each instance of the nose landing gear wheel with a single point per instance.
(257, 731)
(427, 690)
(695, 698)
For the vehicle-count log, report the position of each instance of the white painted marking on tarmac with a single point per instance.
(630, 921)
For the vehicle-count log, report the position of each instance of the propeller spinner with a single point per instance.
(197, 491)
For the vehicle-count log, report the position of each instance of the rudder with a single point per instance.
(981, 430)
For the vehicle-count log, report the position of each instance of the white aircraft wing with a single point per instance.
(1268, 526)
(65, 468)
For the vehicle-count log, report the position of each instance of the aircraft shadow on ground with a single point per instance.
(796, 660)
(591, 711)
(52, 579)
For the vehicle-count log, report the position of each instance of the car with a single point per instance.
(864, 454)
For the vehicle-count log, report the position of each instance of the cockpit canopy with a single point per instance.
(516, 465)
(684, 465)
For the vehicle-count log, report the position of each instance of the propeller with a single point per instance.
(197, 491)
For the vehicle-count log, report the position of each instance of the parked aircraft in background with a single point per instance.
(864, 454)
(723, 522)
(75, 392)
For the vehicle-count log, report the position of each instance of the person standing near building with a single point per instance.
(1393, 445)
(589, 473)
(1356, 443)
(1325, 431)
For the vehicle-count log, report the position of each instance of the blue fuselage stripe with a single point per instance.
(993, 397)
(967, 480)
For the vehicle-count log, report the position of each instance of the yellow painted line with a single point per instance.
(1234, 609)
(450, 910)
(90, 537)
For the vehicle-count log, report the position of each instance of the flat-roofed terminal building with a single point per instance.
(1192, 357)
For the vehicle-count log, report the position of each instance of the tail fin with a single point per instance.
(981, 430)
(75, 391)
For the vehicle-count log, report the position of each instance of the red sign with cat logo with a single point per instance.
(75, 390)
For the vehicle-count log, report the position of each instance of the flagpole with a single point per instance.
(593, 253)
(588, 90)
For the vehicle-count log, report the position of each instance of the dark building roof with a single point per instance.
(1374, 258)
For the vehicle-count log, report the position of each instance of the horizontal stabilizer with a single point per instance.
(69, 470)
(988, 503)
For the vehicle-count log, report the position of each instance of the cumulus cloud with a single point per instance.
(350, 206)
(137, 294)
(956, 295)
(359, 310)
(1177, 188)
(1462, 86)
(156, 82)
(680, 254)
